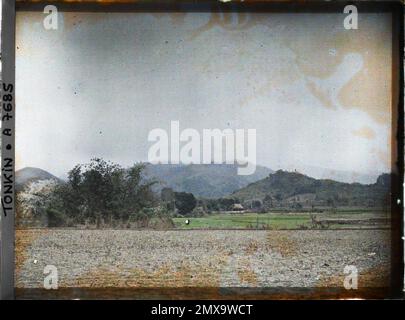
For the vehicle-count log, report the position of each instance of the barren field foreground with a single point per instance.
(217, 258)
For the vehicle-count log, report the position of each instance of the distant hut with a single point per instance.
(237, 207)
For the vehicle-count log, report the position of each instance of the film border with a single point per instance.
(7, 258)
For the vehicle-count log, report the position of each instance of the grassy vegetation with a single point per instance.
(271, 220)
(244, 221)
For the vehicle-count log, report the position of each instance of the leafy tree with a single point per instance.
(268, 201)
(226, 204)
(105, 190)
(256, 204)
(185, 202)
(136, 191)
(55, 218)
(167, 194)
(97, 191)
(330, 202)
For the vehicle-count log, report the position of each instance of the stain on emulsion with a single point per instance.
(369, 90)
(322, 96)
(364, 132)
(382, 156)
(18, 160)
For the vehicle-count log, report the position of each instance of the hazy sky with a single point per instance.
(317, 94)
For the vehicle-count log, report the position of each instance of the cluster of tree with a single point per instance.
(181, 202)
(102, 192)
(284, 189)
(94, 192)
(221, 204)
(186, 204)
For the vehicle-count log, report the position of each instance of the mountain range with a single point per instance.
(207, 180)
(203, 180)
(287, 187)
(222, 180)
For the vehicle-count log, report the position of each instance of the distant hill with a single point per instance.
(284, 187)
(209, 181)
(203, 180)
(337, 175)
(221, 180)
(29, 174)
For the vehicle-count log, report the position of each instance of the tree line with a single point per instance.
(99, 193)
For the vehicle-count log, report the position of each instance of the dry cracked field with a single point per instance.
(202, 258)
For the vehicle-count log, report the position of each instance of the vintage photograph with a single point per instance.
(212, 149)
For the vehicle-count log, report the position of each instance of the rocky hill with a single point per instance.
(30, 174)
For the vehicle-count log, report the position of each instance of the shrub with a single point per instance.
(55, 218)
(185, 202)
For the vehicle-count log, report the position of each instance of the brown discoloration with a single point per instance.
(374, 277)
(252, 247)
(360, 93)
(246, 275)
(23, 240)
(186, 275)
(202, 293)
(18, 160)
(386, 159)
(364, 132)
(245, 272)
(282, 244)
(369, 90)
(285, 249)
(183, 278)
(321, 95)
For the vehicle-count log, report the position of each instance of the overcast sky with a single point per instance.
(317, 94)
